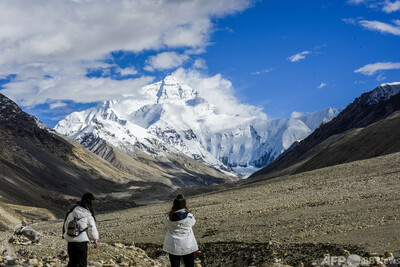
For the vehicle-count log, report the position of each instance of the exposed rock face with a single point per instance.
(368, 127)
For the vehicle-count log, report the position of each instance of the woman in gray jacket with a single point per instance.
(86, 231)
(179, 241)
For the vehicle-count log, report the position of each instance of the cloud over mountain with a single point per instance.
(49, 46)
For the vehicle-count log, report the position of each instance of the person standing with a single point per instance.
(79, 229)
(179, 241)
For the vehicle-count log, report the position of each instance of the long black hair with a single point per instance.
(178, 204)
(87, 203)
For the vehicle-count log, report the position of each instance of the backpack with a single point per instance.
(73, 228)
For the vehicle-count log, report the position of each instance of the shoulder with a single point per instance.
(190, 216)
(81, 212)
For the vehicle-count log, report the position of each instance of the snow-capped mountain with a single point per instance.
(366, 128)
(381, 93)
(170, 117)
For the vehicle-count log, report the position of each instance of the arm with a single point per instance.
(92, 232)
(165, 220)
(191, 219)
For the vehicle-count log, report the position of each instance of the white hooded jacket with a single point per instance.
(179, 239)
(85, 220)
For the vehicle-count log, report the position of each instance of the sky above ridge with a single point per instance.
(256, 57)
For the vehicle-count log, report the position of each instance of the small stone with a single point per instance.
(119, 259)
(119, 245)
(345, 252)
(95, 264)
(33, 261)
(62, 255)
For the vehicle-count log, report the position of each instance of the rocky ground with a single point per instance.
(295, 219)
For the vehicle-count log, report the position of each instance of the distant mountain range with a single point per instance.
(368, 127)
(169, 117)
(40, 168)
(147, 148)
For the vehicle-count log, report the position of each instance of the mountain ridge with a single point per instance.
(369, 108)
(40, 168)
(171, 117)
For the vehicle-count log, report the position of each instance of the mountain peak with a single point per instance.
(172, 90)
(383, 92)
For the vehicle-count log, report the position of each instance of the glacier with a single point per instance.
(171, 117)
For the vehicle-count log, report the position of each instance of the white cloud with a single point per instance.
(218, 91)
(200, 63)
(68, 82)
(380, 26)
(262, 71)
(371, 69)
(165, 60)
(385, 5)
(322, 85)
(127, 71)
(390, 6)
(296, 115)
(381, 78)
(350, 21)
(57, 104)
(86, 30)
(51, 44)
(298, 56)
(360, 82)
(357, 1)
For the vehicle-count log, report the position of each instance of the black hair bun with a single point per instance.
(180, 197)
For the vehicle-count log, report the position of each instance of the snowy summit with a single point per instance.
(171, 117)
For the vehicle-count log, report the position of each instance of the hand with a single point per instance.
(95, 245)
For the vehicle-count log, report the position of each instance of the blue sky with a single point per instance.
(274, 56)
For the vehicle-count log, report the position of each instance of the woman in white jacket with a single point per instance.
(78, 243)
(179, 241)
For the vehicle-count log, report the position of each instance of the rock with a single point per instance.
(28, 232)
(119, 259)
(10, 260)
(95, 264)
(388, 254)
(62, 255)
(119, 245)
(345, 252)
(388, 258)
(164, 259)
(6, 250)
(33, 261)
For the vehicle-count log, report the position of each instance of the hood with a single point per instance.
(179, 215)
(80, 212)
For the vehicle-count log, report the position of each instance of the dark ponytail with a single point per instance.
(87, 203)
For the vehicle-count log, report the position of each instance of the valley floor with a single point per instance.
(352, 205)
